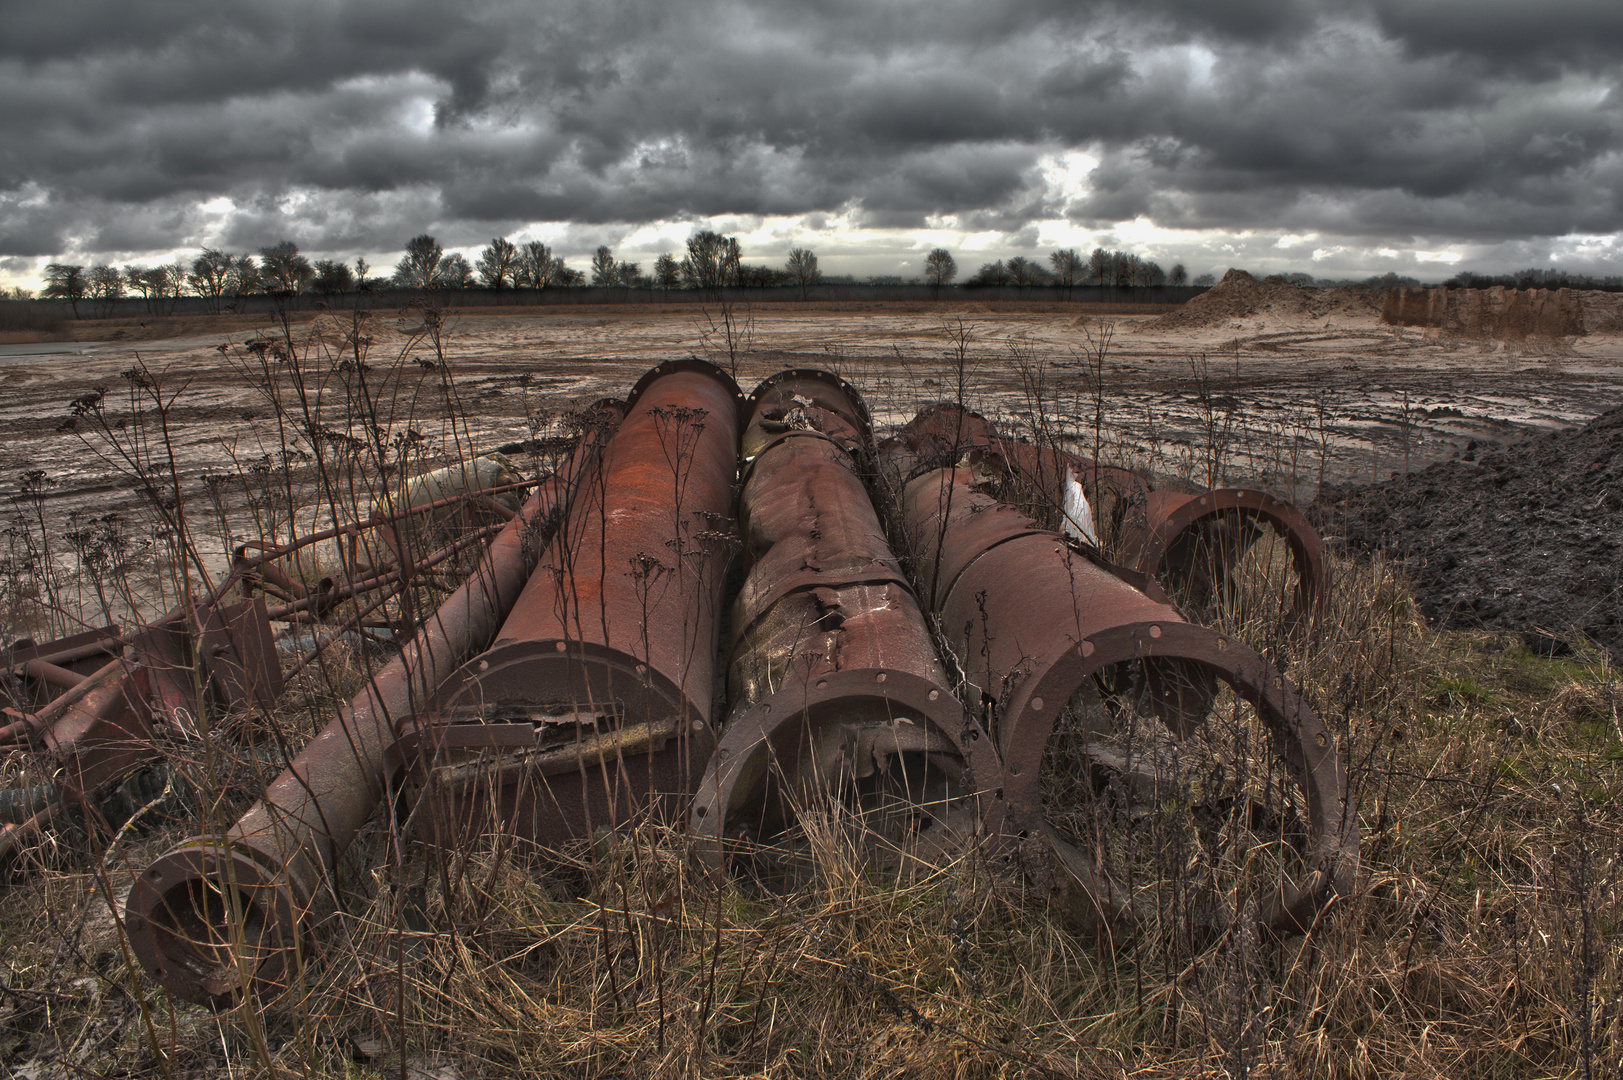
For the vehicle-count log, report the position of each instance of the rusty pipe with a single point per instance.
(337, 593)
(595, 704)
(267, 551)
(833, 682)
(100, 727)
(1192, 542)
(1197, 540)
(52, 674)
(1033, 623)
(83, 646)
(213, 918)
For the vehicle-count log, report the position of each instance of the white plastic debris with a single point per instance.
(1078, 522)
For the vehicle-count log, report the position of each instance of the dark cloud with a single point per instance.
(353, 124)
(1540, 39)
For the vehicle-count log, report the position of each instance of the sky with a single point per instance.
(1337, 138)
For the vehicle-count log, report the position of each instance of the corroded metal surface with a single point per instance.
(211, 920)
(97, 723)
(834, 684)
(594, 706)
(1192, 542)
(1034, 624)
(1198, 539)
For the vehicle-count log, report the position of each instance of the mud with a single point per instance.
(1528, 539)
(1310, 386)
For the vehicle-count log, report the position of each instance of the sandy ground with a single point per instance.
(1282, 399)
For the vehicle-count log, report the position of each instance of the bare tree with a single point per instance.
(332, 277)
(172, 286)
(141, 280)
(361, 267)
(105, 285)
(160, 286)
(1178, 275)
(1023, 271)
(940, 267)
(455, 272)
(803, 269)
(65, 281)
(628, 274)
(603, 267)
(535, 267)
(992, 273)
(497, 263)
(1068, 268)
(712, 260)
(208, 276)
(1099, 266)
(284, 270)
(667, 272)
(243, 277)
(1121, 269)
(419, 267)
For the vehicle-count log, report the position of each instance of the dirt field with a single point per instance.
(1254, 383)
(1263, 390)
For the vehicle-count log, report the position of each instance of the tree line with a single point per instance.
(1534, 278)
(711, 261)
(1067, 269)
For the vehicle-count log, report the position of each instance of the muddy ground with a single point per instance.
(1243, 386)
(1527, 539)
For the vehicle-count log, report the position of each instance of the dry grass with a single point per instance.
(1481, 940)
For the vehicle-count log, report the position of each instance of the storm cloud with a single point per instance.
(350, 125)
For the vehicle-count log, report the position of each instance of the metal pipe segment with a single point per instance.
(214, 918)
(1033, 622)
(594, 706)
(834, 683)
(1192, 542)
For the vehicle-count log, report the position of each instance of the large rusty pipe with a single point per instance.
(595, 704)
(1190, 540)
(220, 915)
(1033, 622)
(834, 680)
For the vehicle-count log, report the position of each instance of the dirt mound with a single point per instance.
(1273, 299)
(1528, 539)
(1498, 313)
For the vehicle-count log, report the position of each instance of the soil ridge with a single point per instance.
(1241, 296)
(1528, 539)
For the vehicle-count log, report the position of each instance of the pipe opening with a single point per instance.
(214, 939)
(1173, 823)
